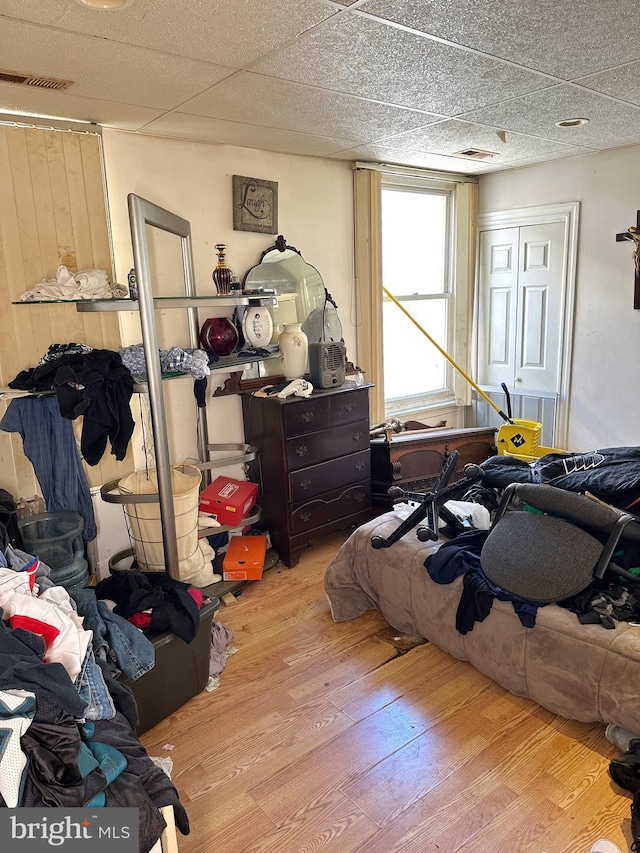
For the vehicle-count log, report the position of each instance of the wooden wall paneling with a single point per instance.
(95, 194)
(8, 340)
(16, 353)
(66, 323)
(17, 474)
(66, 250)
(80, 219)
(52, 212)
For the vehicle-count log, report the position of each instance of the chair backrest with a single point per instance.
(586, 512)
(539, 557)
(555, 553)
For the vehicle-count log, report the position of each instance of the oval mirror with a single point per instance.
(302, 296)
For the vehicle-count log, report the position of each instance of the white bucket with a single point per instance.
(145, 524)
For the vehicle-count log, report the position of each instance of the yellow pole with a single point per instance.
(448, 357)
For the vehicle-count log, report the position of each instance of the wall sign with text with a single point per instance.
(255, 205)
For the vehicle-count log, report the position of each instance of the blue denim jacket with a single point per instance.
(115, 640)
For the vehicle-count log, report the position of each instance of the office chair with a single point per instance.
(431, 504)
(557, 545)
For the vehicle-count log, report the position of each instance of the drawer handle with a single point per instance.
(349, 407)
(304, 484)
(360, 465)
(357, 436)
(360, 497)
(307, 417)
(305, 516)
(301, 450)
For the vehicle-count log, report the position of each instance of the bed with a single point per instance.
(582, 672)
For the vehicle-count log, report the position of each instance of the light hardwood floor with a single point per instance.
(326, 738)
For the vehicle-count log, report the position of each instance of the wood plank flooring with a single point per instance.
(330, 738)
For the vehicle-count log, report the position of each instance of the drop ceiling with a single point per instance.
(412, 82)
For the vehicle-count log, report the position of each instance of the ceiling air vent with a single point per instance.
(30, 80)
(475, 153)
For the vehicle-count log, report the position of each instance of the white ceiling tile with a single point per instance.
(397, 156)
(363, 57)
(226, 33)
(60, 104)
(408, 81)
(611, 124)
(268, 101)
(623, 82)
(567, 38)
(206, 129)
(102, 69)
(452, 136)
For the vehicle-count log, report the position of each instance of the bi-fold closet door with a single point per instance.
(520, 319)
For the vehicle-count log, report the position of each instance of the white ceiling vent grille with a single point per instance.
(475, 153)
(30, 80)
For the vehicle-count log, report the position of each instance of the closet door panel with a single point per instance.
(499, 251)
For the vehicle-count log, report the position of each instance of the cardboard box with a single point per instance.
(228, 500)
(244, 560)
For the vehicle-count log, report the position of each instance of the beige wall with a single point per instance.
(194, 180)
(604, 403)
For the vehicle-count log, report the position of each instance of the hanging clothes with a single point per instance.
(50, 446)
(94, 384)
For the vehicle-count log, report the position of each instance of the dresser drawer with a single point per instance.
(334, 506)
(338, 473)
(303, 416)
(349, 408)
(305, 450)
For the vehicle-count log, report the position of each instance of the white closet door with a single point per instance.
(540, 300)
(497, 306)
(520, 307)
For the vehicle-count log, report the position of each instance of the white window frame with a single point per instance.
(429, 400)
(369, 179)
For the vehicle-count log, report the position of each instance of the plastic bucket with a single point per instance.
(145, 522)
(56, 538)
(519, 438)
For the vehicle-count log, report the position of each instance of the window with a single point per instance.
(417, 228)
(415, 237)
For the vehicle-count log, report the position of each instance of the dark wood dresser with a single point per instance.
(413, 460)
(314, 464)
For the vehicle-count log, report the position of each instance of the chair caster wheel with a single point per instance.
(425, 534)
(377, 542)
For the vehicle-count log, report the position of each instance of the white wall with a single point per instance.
(194, 180)
(604, 404)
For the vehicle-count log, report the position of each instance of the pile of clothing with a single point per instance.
(68, 725)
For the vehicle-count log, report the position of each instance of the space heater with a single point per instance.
(327, 364)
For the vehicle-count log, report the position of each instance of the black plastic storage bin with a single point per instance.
(181, 672)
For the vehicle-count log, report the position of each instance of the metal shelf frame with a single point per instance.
(142, 213)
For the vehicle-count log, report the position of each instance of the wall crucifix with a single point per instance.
(633, 233)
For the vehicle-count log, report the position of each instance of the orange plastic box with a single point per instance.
(229, 500)
(244, 560)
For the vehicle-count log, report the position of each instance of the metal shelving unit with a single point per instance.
(141, 214)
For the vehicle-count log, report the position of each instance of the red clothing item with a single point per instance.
(46, 631)
(141, 620)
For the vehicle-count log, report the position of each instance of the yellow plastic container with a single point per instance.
(520, 438)
(540, 452)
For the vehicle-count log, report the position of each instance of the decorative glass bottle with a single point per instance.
(294, 346)
(219, 335)
(222, 275)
